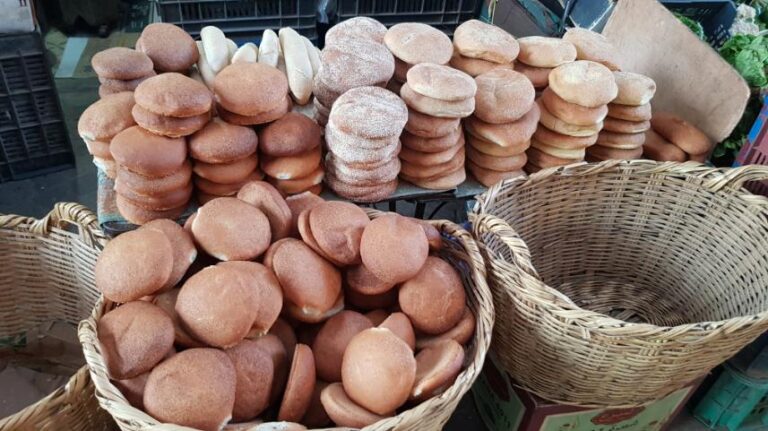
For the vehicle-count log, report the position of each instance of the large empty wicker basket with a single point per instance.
(47, 278)
(622, 282)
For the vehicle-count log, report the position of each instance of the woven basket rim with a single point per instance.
(730, 180)
(112, 400)
(61, 215)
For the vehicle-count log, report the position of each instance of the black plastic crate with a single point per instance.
(445, 15)
(241, 20)
(715, 16)
(33, 135)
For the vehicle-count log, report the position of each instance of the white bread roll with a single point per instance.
(247, 53)
(314, 55)
(232, 47)
(269, 50)
(203, 67)
(297, 65)
(215, 47)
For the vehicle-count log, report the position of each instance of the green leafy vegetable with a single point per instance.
(694, 25)
(749, 56)
(725, 152)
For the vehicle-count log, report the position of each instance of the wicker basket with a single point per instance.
(460, 249)
(622, 282)
(47, 276)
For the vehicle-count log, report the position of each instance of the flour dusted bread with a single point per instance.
(393, 248)
(538, 51)
(418, 43)
(121, 64)
(592, 46)
(476, 39)
(503, 96)
(291, 135)
(230, 229)
(584, 83)
(634, 89)
(106, 117)
(221, 142)
(681, 133)
(441, 82)
(250, 89)
(572, 113)
(174, 95)
(359, 27)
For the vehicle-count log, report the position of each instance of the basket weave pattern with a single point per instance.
(621, 282)
(459, 248)
(47, 276)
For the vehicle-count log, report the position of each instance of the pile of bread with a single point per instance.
(298, 310)
(673, 139)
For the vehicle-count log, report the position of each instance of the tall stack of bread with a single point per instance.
(671, 138)
(573, 108)
(539, 55)
(413, 43)
(438, 97)
(224, 159)
(628, 119)
(121, 69)
(481, 47)
(363, 138)
(291, 154)
(499, 132)
(100, 122)
(354, 56)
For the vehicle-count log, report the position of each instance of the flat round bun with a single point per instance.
(681, 133)
(476, 39)
(553, 123)
(623, 126)
(216, 306)
(174, 95)
(441, 82)
(353, 63)
(299, 203)
(493, 149)
(436, 369)
(291, 167)
(598, 152)
(359, 27)
(363, 281)
(221, 142)
(170, 48)
(539, 76)
(172, 127)
(311, 182)
(262, 280)
(488, 177)
(434, 299)
(194, 388)
(369, 112)
(255, 372)
(332, 340)
(371, 302)
(268, 116)
(227, 173)
(154, 186)
(292, 260)
(106, 117)
(98, 149)
(401, 326)
(137, 215)
(184, 250)
(630, 113)
(172, 199)
(461, 333)
(300, 385)
(592, 46)
(250, 89)
(431, 145)
(360, 193)
(135, 264)
(436, 107)
(443, 181)
(538, 51)
(338, 227)
(634, 89)
(496, 163)
(121, 63)
(503, 96)
(134, 338)
(265, 197)
(543, 160)
(363, 176)
(657, 148)
(378, 370)
(291, 135)
(510, 134)
(413, 170)
(427, 126)
(584, 83)
(572, 113)
(167, 302)
(148, 154)
(393, 248)
(215, 189)
(416, 43)
(343, 411)
(571, 154)
(230, 229)
(622, 141)
(474, 66)
(559, 140)
(429, 159)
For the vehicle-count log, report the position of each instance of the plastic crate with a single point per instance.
(445, 15)
(241, 20)
(755, 150)
(715, 16)
(33, 135)
(752, 360)
(734, 403)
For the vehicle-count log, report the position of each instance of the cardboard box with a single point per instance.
(505, 407)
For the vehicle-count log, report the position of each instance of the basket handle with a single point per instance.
(736, 177)
(488, 224)
(62, 215)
